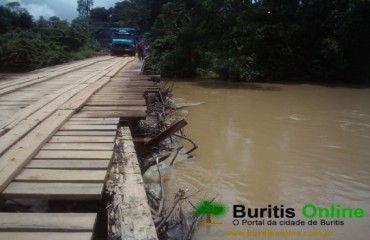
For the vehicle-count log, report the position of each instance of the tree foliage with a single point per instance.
(241, 40)
(26, 44)
(270, 40)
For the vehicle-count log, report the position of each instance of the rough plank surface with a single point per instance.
(69, 164)
(65, 191)
(12, 162)
(74, 154)
(75, 127)
(129, 215)
(49, 175)
(46, 235)
(132, 114)
(85, 133)
(79, 146)
(66, 222)
(86, 139)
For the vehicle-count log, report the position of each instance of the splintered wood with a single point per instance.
(129, 215)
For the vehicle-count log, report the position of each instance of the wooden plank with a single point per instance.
(75, 154)
(92, 122)
(78, 146)
(15, 103)
(78, 101)
(12, 162)
(68, 164)
(19, 85)
(122, 114)
(93, 119)
(46, 235)
(23, 127)
(61, 222)
(165, 134)
(120, 94)
(117, 103)
(89, 127)
(65, 191)
(15, 85)
(67, 92)
(85, 133)
(50, 175)
(117, 97)
(131, 90)
(114, 108)
(9, 108)
(129, 209)
(87, 139)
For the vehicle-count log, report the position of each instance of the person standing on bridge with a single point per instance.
(140, 46)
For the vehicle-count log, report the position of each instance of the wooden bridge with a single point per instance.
(58, 130)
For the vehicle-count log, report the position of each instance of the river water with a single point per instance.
(269, 144)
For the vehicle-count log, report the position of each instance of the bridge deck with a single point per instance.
(58, 137)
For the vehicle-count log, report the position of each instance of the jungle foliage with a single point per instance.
(270, 40)
(240, 40)
(26, 44)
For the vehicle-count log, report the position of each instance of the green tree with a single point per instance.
(83, 9)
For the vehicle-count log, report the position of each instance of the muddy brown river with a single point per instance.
(268, 144)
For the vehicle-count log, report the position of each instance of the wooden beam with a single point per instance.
(63, 191)
(73, 154)
(46, 235)
(52, 175)
(129, 215)
(85, 133)
(68, 164)
(75, 127)
(122, 114)
(61, 222)
(79, 146)
(165, 134)
(82, 139)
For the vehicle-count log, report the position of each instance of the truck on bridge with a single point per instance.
(123, 41)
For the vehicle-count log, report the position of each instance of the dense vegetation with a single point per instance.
(270, 40)
(26, 44)
(255, 40)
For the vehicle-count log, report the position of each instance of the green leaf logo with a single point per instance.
(210, 208)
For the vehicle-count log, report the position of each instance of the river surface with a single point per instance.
(269, 144)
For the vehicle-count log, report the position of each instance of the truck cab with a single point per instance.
(122, 42)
